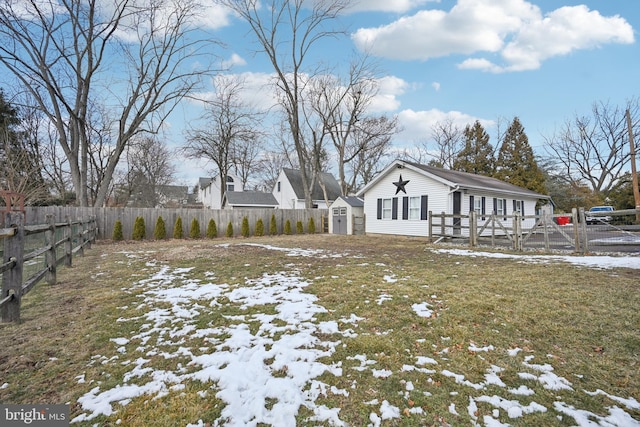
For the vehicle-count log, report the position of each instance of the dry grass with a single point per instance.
(582, 321)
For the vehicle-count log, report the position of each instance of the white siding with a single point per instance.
(439, 200)
(284, 194)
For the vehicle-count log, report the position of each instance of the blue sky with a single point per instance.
(544, 61)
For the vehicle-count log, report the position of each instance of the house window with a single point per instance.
(517, 206)
(230, 186)
(477, 205)
(414, 207)
(501, 207)
(278, 186)
(386, 208)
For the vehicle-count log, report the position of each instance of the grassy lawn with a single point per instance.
(420, 338)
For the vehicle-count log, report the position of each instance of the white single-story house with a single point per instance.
(289, 191)
(398, 200)
(210, 190)
(347, 215)
(249, 200)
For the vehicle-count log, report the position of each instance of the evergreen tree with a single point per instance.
(311, 226)
(230, 229)
(273, 228)
(194, 231)
(117, 231)
(139, 229)
(160, 232)
(299, 227)
(516, 163)
(212, 229)
(477, 155)
(177, 229)
(245, 227)
(287, 227)
(259, 228)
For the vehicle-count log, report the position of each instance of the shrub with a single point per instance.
(117, 231)
(160, 232)
(273, 227)
(245, 227)
(299, 228)
(287, 227)
(194, 231)
(230, 229)
(212, 229)
(312, 226)
(259, 228)
(177, 229)
(139, 230)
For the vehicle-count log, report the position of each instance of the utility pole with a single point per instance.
(634, 173)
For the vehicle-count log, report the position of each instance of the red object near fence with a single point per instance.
(564, 220)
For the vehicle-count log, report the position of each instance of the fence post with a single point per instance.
(442, 224)
(12, 278)
(517, 231)
(430, 225)
(68, 243)
(576, 234)
(546, 218)
(583, 231)
(50, 255)
(473, 228)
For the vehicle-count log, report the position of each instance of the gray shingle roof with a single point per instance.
(250, 198)
(469, 180)
(333, 187)
(353, 201)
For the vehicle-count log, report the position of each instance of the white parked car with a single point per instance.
(598, 215)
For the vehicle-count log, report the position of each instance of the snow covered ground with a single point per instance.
(265, 367)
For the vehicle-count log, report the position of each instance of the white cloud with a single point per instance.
(436, 86)
(398, 6)
(514, 29)
(417, 125)
(233, 61)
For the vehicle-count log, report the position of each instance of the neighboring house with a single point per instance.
(209, 190)
(249, 200)
(289, 191)
(347, 215)
(399, 199)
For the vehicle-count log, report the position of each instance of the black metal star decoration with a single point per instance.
(400, 185)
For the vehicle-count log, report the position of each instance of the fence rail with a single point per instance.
(616, 231)
(15, 255)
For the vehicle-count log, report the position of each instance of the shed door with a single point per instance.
(339, 220)
(457, 207)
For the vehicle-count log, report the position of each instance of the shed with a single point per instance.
(347, 215)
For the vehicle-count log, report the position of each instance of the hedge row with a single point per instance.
(160, 231)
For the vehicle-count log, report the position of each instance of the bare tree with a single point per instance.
(342, 111)
(149, 169)
(594, 149)
(449, 141)
(286, 31)
(228, 125)
(61, 52)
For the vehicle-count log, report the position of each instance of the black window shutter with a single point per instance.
(504, 206)
(522, 206)
(495, 206)
(484, 203)
(471, 204)
(405, 208)
(394, 208)
(379, 208)
(424, 208)
(514, 205)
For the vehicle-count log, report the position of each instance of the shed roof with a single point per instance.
(353, 201)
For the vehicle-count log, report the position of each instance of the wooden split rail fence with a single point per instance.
(56, 235)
